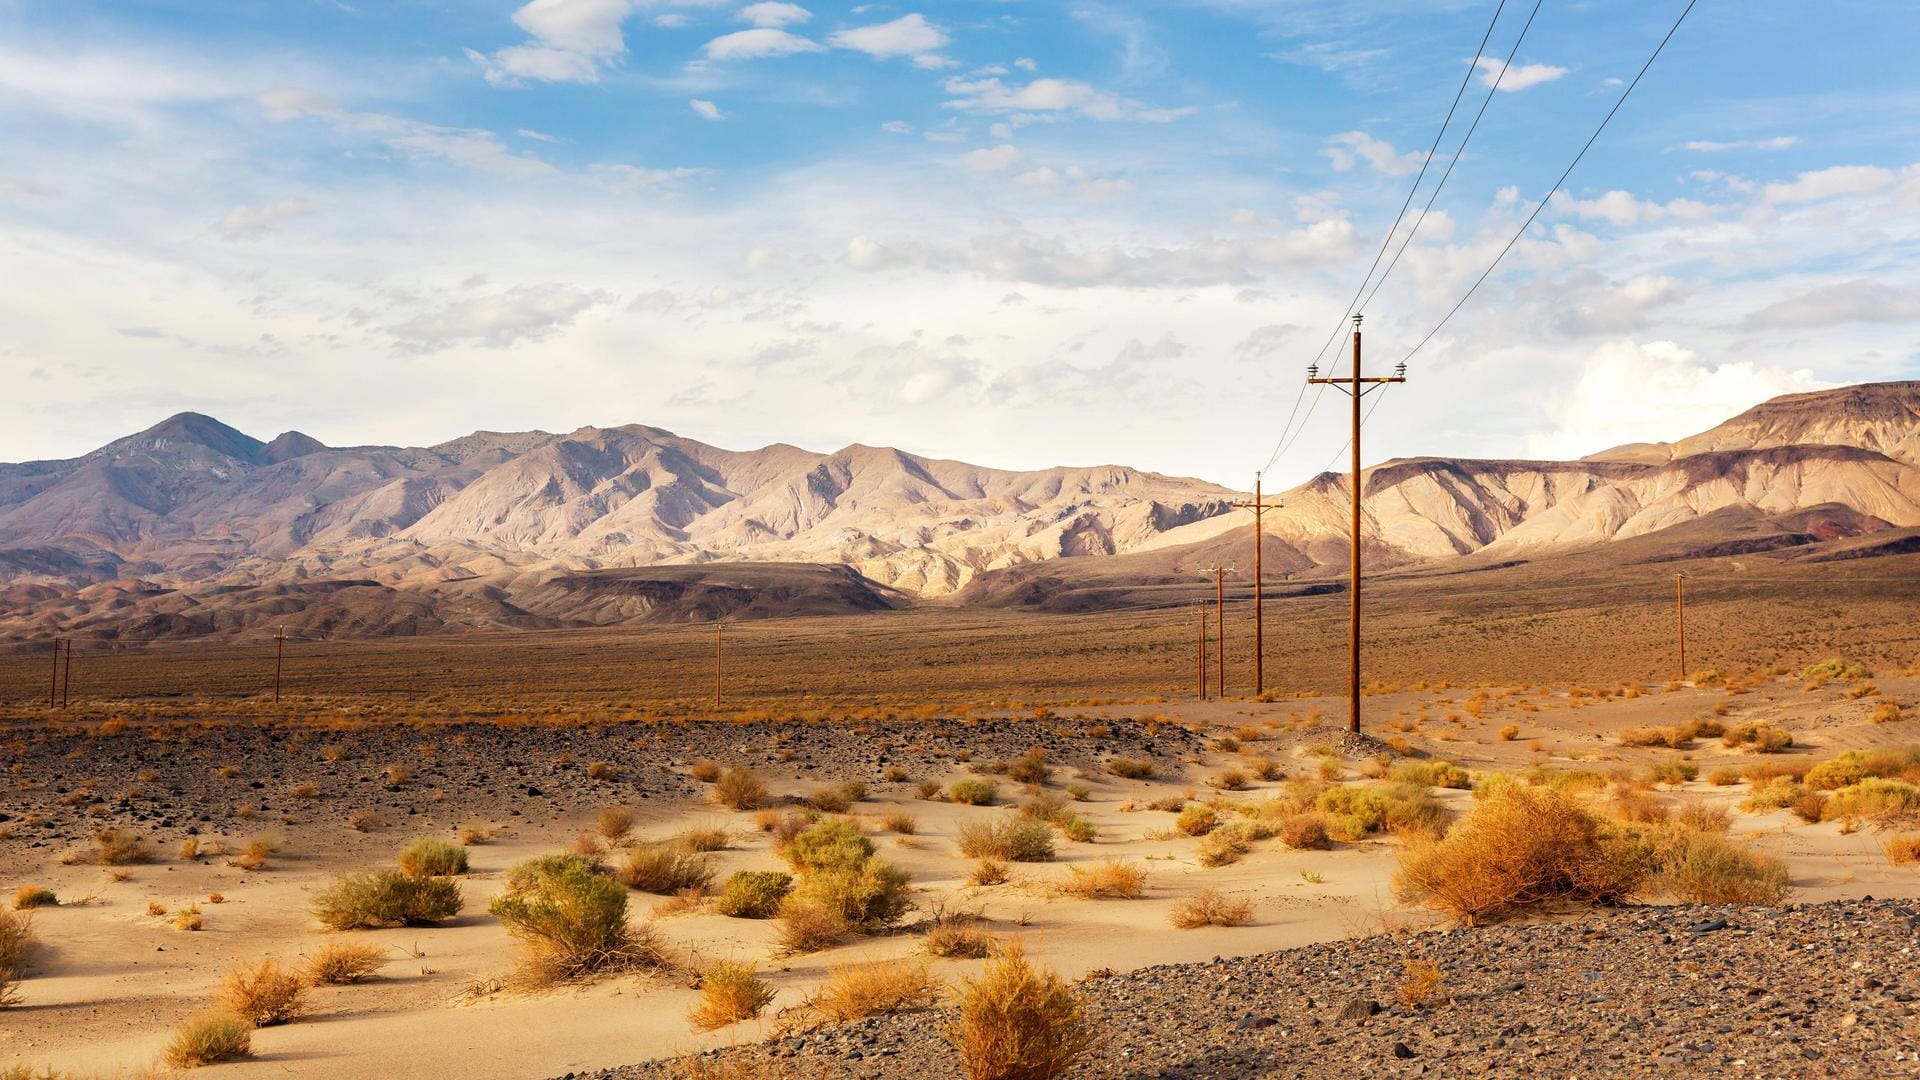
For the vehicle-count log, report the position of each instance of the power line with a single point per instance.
(1285, 443)
(1492, 89)
(1525, 225)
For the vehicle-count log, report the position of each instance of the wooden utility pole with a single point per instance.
(53, 688)
(279, 660)
(1259, 627)
(1356, 387)
(1220, 615)
(1200, 650)
(716, 665)
(66, 681)
(1680, 617)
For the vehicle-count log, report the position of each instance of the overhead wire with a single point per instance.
(1568, 171)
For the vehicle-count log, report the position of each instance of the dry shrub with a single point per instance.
(263, 994)
(1874, 799)
(254, 853)
(900, 821)
(730, 992)
(988, 872)
(1128, 768)
(1886, 713)
(1631, 804)
(753, 894)
(1224, 845)
(16, 941)
(1229, 780)
(1699, 818)
(432, 857)
(830, 844)
(1018, 1023)
(1521, 846)
(1419, 980)
(665, 870)
(614, 823)
(602, 770)
(831, 799)
(572, 923)
(856, 990)
(339, 963)
(474, 832)
(1209, 907)
(1198, 819)
(209, 1039)
(957, 935)
(972, 791)
(1760, 738)
(1109, 879)
(1304, 832)
(705, 771)
(28, 897)
(1030, 767)
(1854, 766)
(1709, 868)
(1007, 839)
(738, 789)
(1673, 738)
(188, 918)
(378, 899)
(1903, 850)
(1435, 773)
(809, 926)
(1724, 776)
(119, 847)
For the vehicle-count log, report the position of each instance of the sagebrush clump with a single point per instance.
(1015, 1022)
(379, 899)
(572, 923)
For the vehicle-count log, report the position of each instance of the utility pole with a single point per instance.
(66, 682)
(1680, 617)
(1220, 615)
(1259, 627)
(1355, 387)
(279, 660)
(716, 664)
(1200, 650)
(53, 688)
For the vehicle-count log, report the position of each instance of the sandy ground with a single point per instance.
(111, 980)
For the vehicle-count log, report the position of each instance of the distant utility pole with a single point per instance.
(1200, 651)
(1220, 615)
(53, 688)
(1259, 627)
(1355, 387)
(716, 664)
(66, 686)
(1680, 618)
(279, 660)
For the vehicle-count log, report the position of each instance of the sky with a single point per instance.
(1017, 233)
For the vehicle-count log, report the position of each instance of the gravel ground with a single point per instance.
(169, 781)
(1803, 991)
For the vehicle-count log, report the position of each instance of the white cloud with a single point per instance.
(1858, 301)
(1348, 147)
(995, 159)
(1052, 96)
(1495, 72)
(1074, 181)
(1630, 391)
(253, 222)
(523, 313)
(473, 148)
(538, 136)
(572, 41)
(626, 178)
(1705, 146)
(1829, 182)
(1622, 208)
(1026, 63)
(759, 44)
(706, 109)
(908, 35)
(897, 127)
(672, 20)
(773, 14)
(1593, 306)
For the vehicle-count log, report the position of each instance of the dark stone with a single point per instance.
(1402, 1051)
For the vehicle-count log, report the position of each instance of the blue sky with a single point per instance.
(1016, 233)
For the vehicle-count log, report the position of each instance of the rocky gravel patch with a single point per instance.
(1817, 990)
(170, 781)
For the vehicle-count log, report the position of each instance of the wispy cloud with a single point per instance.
(1494, 72)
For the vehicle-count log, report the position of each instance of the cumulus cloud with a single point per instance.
(1052, 97)
(1706, 146)
(1350, 147)
(1591, 305)
(253, 222)
(1857, 301)
(1495, 72)
(1629, 391)
(759, 44)
(1827, 183)
(773, 14)
(908, 35)
(1622, 208)
(571, 41)
(993, 159)
(706, 109)
(523, 313)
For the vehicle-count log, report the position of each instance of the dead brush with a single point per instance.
(957, 934)
(665, 869)
(1210, 907)
(614, 823)
(1015, 1022)
(264, 993)
(854, 991)
(16, 945)
(730, 991)
(738, 789)
(1109, 879)
(342, 963)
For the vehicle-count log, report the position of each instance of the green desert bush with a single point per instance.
(753, 894)
(377, 899)
(1697, 867)
(430, 857)
(572, 923)
(1008, 839)
(1435, 773)
(1875, 799)
(871, 898)
(828, 844)
(1016, 1022)
(28, 897)
(209, 1039)
(972, 790)
(1854, 766)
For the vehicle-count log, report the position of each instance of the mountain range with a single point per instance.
(192, 527)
